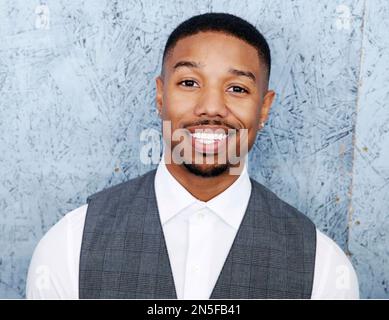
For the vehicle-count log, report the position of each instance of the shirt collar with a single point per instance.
(172, 197)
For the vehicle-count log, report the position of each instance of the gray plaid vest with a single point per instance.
(124, 254)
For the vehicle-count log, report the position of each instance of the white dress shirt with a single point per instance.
(198, 236)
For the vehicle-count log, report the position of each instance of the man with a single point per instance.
(194, 228)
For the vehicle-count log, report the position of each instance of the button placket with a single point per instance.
(197, 270)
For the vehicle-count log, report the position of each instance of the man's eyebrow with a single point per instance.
(236, 72)
(189, 64)
(241, 73)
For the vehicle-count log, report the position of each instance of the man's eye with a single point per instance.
(237, 89)
(189, 83)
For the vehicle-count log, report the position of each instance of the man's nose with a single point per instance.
(212, 103)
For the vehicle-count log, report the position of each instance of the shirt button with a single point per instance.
(201, 214)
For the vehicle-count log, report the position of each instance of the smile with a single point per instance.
(209, 141)
(208, 138)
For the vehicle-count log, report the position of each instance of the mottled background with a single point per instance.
(77, 90)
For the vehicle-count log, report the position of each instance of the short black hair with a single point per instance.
(225, 23)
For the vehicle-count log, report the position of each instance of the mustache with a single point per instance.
(212, 123)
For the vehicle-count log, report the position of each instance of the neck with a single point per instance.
(202, 188)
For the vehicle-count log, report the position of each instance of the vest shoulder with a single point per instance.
(133, 184)
(275, 206)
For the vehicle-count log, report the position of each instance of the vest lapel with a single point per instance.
(164, 285)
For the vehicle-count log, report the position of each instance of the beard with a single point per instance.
(213, 171)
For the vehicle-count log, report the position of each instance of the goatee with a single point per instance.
(206, 173)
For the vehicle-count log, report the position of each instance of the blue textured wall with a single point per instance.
(77, 89)
(369, 211)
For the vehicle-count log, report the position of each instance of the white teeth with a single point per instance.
(207, 138)
(204, 141)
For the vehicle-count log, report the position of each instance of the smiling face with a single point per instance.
(213, 84)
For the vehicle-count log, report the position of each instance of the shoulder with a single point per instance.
(335, 277)
(53, 270)
(329, 251)
(67, 226)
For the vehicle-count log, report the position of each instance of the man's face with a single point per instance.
(213, 83)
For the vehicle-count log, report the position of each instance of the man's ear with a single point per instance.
(265, 108)
(159, 94)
